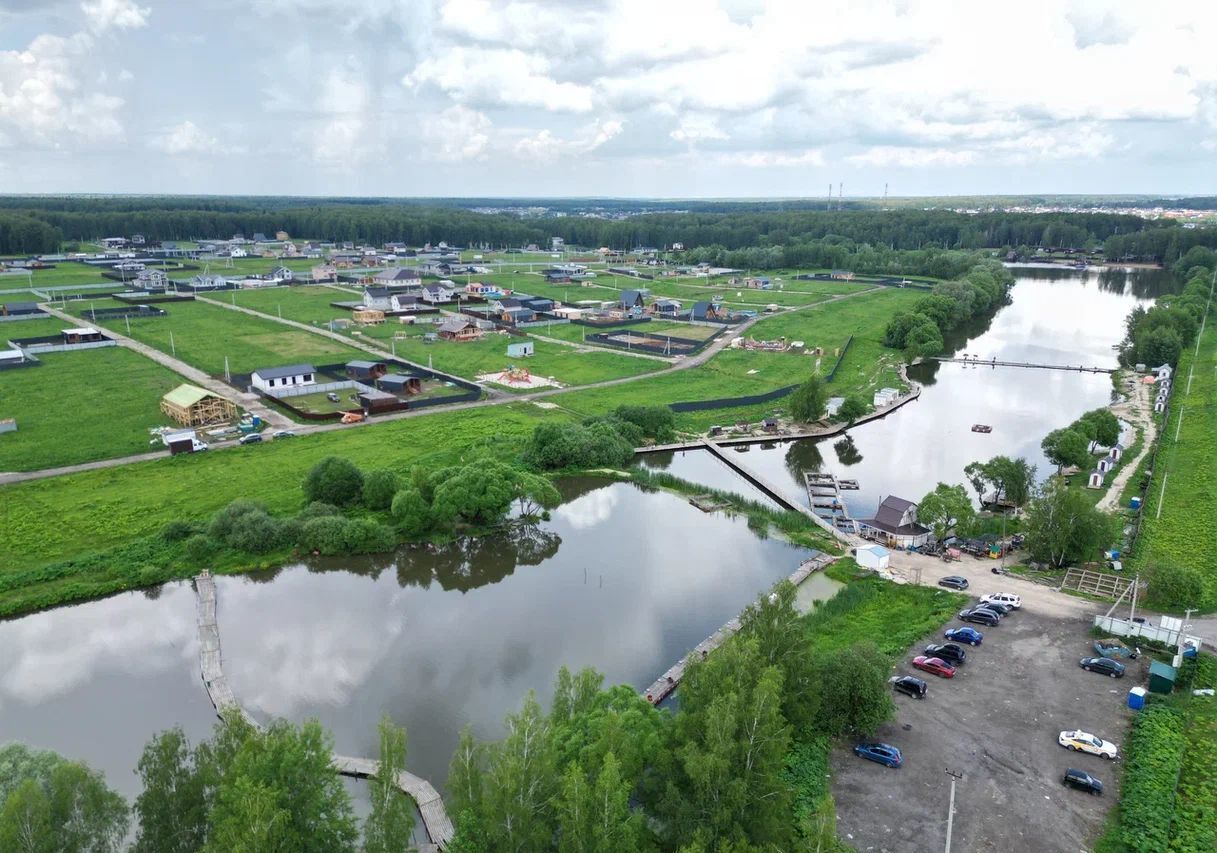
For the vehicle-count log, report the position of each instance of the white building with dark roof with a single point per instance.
(895, 524)
(273, 379)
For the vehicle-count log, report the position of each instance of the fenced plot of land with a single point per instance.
(304, 304)
(81, 406)
(996, 722)
(203, 335)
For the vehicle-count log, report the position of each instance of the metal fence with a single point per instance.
(1128, 628)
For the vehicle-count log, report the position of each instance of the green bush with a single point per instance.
(334, 480)
(412, 512)
(324, 535)
(317, 509)
(597, 444)
(365, 536)
(332, 535)
(176, 531)
(657, 422)
(199, 548)
(247, 526)
(379, 487)
(1153, 760)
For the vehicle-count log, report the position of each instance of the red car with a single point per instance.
(935, 665)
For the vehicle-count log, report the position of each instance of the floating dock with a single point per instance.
(824, 496)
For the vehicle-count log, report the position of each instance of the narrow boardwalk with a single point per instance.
(993, 362)
(430, 804)
(666, 684)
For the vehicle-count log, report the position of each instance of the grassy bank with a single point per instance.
(1178, 510)
(61, 518)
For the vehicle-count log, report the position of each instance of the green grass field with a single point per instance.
(304, 304)
(81, 406)
(1188, 465)
(203, 335)
(96, 510)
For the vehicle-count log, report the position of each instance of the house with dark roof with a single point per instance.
(895, 524)
(664, 307)
(459, 329)
(436, 294)
(706, 310)
(759, 282)
(376, 297)
(273, 379)
(366, 369)
(399, 276)
(14, 309)
(557, 277)
(630, 300)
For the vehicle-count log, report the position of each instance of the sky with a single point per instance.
(623, 98)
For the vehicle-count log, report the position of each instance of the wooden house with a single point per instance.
(400, 383)
(368, 316)
(366, 370)
(372, 401)
(705, 310)
(192, 406)
(459, 329)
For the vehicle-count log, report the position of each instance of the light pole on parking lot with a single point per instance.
(955, 777)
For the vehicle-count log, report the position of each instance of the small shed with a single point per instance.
(81, 335)
(366, 369)
(1161, 677)
(1104, 464)
(400, 383)
(192, 406)
(523, 349)
(377, 401)
(874, 557)
(1095, 480)
(1116, 451)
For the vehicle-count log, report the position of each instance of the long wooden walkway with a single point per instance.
(666, 684)
(430, 804)
(976, 361)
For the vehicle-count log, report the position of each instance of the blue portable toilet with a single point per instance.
(1136, 698)
(1135, 502)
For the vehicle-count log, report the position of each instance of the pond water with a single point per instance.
(620, 579)
(1055, 316)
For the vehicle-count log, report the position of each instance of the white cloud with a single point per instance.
(188, 138)
(46, 99)
(543, 146)
(882, 156)
(773, 159)
(499, 77)
(114, 14)
(457, 134)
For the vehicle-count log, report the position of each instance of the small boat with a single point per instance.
(981, 428)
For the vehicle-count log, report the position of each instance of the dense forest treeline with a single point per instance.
(41, 224)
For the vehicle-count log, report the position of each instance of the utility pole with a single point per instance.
(172, 348)
(955, 777)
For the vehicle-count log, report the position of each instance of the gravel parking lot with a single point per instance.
(996, 722)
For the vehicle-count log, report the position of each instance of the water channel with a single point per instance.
(620, 579)
(1055, 316)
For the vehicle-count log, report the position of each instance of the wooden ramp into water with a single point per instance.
(430, 804)
(994, 362)
(666, 684)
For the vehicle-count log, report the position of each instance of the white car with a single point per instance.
(1080, 741)
(1007, 598)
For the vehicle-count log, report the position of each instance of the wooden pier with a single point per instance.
(430, 804)
(666, 684)
(824, 496)
(976, 361)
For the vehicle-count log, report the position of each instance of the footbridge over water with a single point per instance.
(430, 804)
(977, 361)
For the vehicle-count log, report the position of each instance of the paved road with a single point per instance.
(254, 403)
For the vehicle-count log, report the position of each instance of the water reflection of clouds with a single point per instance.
(587, 511)
(49, 654)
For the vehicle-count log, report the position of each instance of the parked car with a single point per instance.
(252, 438)
(953, 582)
(949, 652)
(937, 666)
(980, 617)
(1007, 598)
(882, 753)
(996, 606)
(909, 685)
(1103, 666)
(1080, 741)
(285, 433)
(1082, 780)
(965, 635)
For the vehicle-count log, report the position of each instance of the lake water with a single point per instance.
(620, 579)
(1055, 316)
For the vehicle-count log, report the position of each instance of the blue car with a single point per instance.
(965, 635)
(883, 753)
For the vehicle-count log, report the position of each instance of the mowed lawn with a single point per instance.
(96, 510)
(81, 406)
(204, 335)
(304, 304)
(737, 373)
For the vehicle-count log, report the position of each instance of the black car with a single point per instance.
(1082, 780)
(252, 438)
(980, 617)
(953, 582)
(910, 686)
(1103, 666)
(949, 652)
(996, 606)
